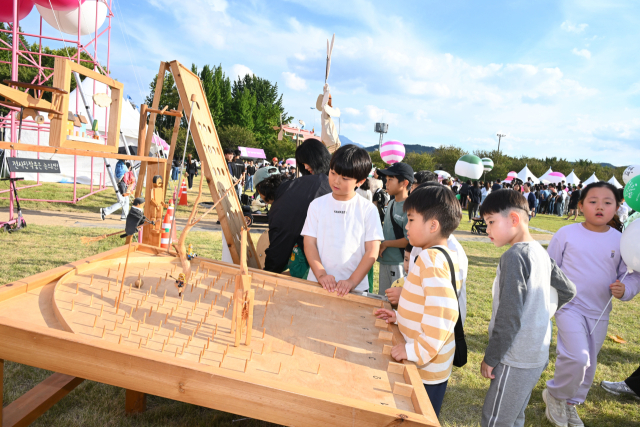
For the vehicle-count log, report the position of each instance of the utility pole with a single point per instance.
(500, 136)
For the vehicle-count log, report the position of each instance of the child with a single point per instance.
(520, 327)
(428, 307)
(342, 232)
(589, 254)
(399, 180)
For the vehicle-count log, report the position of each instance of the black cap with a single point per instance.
(398, 169)
(138, 201)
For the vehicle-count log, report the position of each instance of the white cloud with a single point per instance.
(376, 114)
(582, 52)
(294, 82)
(239, 70)
(570, 27)
(351, 111)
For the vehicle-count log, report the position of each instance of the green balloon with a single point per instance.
(632, 193)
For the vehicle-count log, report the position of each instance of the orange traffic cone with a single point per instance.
(166, 227)
(183, 194)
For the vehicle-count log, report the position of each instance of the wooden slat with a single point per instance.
(74, 152)
(172, 152)
(28, 407)
(190, 382)
(135, 402)
(25, 100)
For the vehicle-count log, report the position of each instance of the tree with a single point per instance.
(377, 160)
(446, 157)
(420, 161)
(236, 136)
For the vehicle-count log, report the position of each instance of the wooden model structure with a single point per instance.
(297, 356)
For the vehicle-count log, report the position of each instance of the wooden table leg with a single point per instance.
(135, 402)
(1, 388)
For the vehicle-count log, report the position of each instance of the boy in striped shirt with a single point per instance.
(428, 308)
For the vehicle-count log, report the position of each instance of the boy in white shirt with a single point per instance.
(342, 232)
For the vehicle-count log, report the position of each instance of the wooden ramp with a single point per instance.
(313, 358)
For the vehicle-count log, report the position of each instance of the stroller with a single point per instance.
(479, 226)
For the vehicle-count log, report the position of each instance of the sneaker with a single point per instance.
(556, 410)
(572, 415)
(618, 388)
(102, 215)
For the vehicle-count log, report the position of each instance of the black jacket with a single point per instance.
(134, 219)
(474, 194)
(287, 216)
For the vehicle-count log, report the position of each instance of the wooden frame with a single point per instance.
(64, 320)
(58, 136)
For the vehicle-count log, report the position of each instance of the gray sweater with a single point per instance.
(520, 327)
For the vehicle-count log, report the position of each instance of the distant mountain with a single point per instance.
(409, 148)
(346, 141)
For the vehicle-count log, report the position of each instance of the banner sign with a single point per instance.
(17, 164)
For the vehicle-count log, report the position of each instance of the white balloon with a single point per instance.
(629, 247)
(68, 19)
(630, 172)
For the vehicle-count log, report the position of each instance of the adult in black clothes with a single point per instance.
(290, 201)
(464, 192)
(496, 186)
(474, 197)
(192, 170)
(628, 387)
(573, 203)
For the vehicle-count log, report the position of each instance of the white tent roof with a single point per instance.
(545, 177)
(613, 181)
(573, 179)
(525, 173)
(593, 178)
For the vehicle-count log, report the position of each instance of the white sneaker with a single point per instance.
(556, 410)
(572, 415)
(618, 388)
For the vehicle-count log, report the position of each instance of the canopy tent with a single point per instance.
(573, 179)
(86, 168)
(613, 181)
(525, 173)
(545, 178)
(556, 177)
(593, 178)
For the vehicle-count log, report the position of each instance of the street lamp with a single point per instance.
(500, 136)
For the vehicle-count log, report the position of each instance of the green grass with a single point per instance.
(550, 223)
(92, 404)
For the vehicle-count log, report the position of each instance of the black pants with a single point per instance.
(190, 180)
(472, 208)
(436, 395)
(634, 381)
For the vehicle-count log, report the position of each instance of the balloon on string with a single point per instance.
(488, 164)
(68, 19)
(392, 152)
(630, 172)
(6, 9)
(629, 247)
(59, 4)
(632, 193)
(469, 167)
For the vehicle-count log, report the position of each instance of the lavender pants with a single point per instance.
(577, 355)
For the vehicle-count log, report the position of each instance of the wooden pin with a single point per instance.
(318, 373)
(149, 265)
(77, 287)
(227, 350)
(120, 339)
(216, 331)
(182, 349)
(95, 320)
(207, 342)
(200, 358)
(131, 313)
(108, 285)
(176, 355)
(144, 317)
(263, 331)
(101, 294)
(251, 354)
(174, 332)
(101, 308)
(138, 328)
(158, 306)
(222, 360)
(140, 343)
(166, 318)
(130, 287)
(163, 344)
(152, 333)
(180, 327)
(109, 273)
(129, 334)
(262, 351)
(137, 304)
(91, 301)
(119, 264)
(187, 317)
(150, 310)
(166, 276)
(334, 352)
(245, 365)
(124, 316)
(72, 304)
(104, 327)
(294, 349)
(159, 325)
(279, 367)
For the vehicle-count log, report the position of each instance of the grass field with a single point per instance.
(93, 404)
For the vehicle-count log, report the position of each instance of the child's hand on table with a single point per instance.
(388, 315)
(617, 289)
(328, 282)
(399, 352)
(393, 295)
(486, 371)
(344, 287)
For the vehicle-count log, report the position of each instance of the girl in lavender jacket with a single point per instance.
(589, 255)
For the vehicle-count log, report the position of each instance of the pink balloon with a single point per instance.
(60, 4)
(6, 9)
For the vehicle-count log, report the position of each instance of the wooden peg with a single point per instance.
(150, 310)
(208, 342)
(251, 354)
(119, 264)
(262, 350)
(109, 273)
(91, 301)
(137, 304)
(263, 332)
(159, 325)
(138, 328)
(108, 285)
(176, 355)
(104, 328)
(182, 349)
(91, 281)
(294, 349)
(149, 265)
(227, 349)
(279, 367)
(216, 331)
(166, 276)
(166, 318)
(163, 344)
(318, 373)
(120, 339)
(131, 313)
(187, 317)
(130, 284)
(129, 334)
(95, 320)
(335, 350)
(101, 308)
(72, 304)
(140, 343)
(101, 294)
(222, 360)
(200, 357)
(174, 332)
(144, 317)
(180, 327)
(77, 287)
(152, 333)
(246, 363)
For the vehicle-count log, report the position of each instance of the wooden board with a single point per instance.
(63, 69)
(312, 356)
(214, 166)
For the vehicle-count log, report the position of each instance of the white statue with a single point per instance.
(329, 133)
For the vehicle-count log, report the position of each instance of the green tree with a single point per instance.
(377, 160)
(235, 135)
(420, 161)
(445, 157)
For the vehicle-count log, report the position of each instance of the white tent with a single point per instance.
(593, 178)
(545, 178)
(573, 179)
(613, 181)
(525, 173)
(129, 122)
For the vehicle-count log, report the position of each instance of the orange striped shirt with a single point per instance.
(427, 314)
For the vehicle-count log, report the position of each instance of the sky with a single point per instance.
(559, 78)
